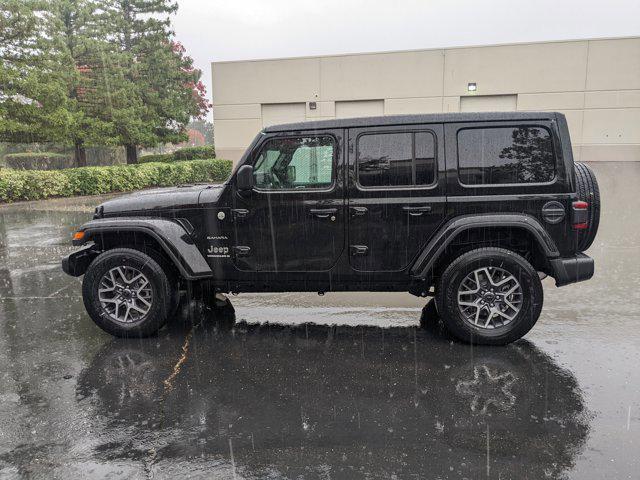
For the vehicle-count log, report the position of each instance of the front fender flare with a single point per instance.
(171, 236)
(436, 246)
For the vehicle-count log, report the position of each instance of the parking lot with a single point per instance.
(300, 386)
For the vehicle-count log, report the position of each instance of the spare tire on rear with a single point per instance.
(587, 188)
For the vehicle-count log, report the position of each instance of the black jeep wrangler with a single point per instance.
(470, 208)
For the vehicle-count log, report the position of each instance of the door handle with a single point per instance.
(241, 250)
(416, 211)
(239, 213)
(323, 212)
(359, 250)
(358, 211)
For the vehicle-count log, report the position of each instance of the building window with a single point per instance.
(295, 163)
(505, 155)
(396, 159)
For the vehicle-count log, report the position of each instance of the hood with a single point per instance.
(161, 199)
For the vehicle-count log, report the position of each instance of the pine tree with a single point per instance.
(34, 73)
(87, 72)
(163, 90)
(83, 42)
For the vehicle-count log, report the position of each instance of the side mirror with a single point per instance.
(244, 178)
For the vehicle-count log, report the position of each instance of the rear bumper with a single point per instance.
(573, 269)
(76, 263)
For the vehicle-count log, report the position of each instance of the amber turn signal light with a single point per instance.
(78, 235)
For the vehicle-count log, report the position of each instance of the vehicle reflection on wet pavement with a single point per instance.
(301, 386)
(296, 401)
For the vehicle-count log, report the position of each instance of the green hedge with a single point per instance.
(38, 161)
(187, 153)
(18, 185)
(156, 157)
(195, 153)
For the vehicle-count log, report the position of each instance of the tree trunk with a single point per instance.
(132, 154)
(80, 155)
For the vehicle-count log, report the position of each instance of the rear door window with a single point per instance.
(505, 155)
(403, 159)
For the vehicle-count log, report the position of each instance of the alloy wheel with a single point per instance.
(490, 297)
(125, 294)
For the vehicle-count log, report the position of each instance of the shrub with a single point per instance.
(188, 153)
(156, 157)
(18, 185)
(38, 161)
(195, 153)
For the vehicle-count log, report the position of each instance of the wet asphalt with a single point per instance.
(300, 386)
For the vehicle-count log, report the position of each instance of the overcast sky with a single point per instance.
(215, 30)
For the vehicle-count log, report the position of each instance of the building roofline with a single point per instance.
(431, 49)
(387, 120)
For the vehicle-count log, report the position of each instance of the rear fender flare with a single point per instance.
(171, 236)
(449, 231)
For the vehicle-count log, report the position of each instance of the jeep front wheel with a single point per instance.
(127, 293)
(489, 296)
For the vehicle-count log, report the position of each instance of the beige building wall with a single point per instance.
(596, 83)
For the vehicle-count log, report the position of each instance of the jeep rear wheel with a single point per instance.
(127, 293)
(489, 296)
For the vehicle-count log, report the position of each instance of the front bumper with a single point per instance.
(573, 269)
(76, 263)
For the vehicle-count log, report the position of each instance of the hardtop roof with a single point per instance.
(411, 120)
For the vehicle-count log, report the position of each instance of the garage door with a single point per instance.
(359, 108)
(276, 113)
(488, 103)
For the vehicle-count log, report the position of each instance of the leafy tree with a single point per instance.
(54, 86)
(86, 72)
(164, 88)
(82, 39)
(33, 74)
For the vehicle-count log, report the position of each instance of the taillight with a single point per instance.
(580, 215)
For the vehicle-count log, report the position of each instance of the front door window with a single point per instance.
(298, 163)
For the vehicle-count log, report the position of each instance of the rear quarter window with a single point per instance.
(505, 155)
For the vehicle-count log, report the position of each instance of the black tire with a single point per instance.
(429, 313)
(161, 288)
(172, 276)
(447, 296)
(588, 191)
(174, 294)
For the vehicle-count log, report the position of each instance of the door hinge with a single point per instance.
(241, 251)
(359, 250)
